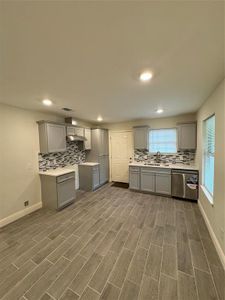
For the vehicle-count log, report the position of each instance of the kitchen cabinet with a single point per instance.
(141, 137)
(99, 139)
(89, 176)
(187, 136)
(163, 183)
(73, 130)
(147, 180)
(100, 152)
(150, 179)
(134, 178)
(52, 137)
(87, 135)
(58, 191)
(104, 168)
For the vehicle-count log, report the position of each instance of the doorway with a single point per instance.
(121, 150)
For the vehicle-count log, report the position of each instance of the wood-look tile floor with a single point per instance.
(111, 244)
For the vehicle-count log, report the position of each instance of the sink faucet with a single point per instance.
(158, 157)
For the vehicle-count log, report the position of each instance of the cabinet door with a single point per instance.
(103, 146)
(147, 181)
(87, 143)
(187, 136)
(56, 136)
(163, 184)
(70, 130)
(104, 168)
(66, 192)
(141, 137)
(79, 131)
(134, 180)
(95, 178)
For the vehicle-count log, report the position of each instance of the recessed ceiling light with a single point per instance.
(47, 102)
(159, 110)
(145, 76)
(99, 119)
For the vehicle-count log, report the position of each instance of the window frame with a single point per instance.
(164, 153)
(208, 194)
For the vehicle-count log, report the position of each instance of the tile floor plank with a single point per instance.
(149, 289)
(101, 275)
(167, 288)
(137, 266)
(81, 280)
(129, 291)
(153, 264)
(63, 281)
(186, 287)
(169, 261)
(205, 286)
(119, 272)
(110, 292)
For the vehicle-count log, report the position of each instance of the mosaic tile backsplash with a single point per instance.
(181, 157)
(73, 155)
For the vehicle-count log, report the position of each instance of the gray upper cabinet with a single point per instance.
(99, 144)
(87, 135)
(141, 137)
(52, 137)
(74, 130)
(187, 136)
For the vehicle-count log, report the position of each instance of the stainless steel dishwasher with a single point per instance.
(185, 184)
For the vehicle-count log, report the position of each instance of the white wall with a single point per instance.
(153, 123)
(19, 147)
(216, 212)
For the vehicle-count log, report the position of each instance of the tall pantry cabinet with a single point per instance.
(100, 152)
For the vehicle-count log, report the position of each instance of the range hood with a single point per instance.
(73, 132)
(74, 138)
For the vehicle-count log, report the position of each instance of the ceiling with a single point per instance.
(87, 56)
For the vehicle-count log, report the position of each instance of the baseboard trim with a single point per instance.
(20, 214)
(213, 236)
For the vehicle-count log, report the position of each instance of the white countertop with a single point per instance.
(89, 164)
(57, 172)
(167, 166)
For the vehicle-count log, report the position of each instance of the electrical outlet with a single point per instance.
(26, 203)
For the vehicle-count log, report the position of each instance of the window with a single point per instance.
(163, 140)
(209, 154)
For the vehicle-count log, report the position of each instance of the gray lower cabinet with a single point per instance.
(150, 179)
(89, 178)
(58, 191)
(134, 178)
(163, 183)
(104, 168)
(147, 180)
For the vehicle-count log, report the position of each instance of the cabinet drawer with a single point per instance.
(134, 169)
(65, 177)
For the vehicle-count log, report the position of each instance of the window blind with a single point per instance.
(209, 153)
(163, 140)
